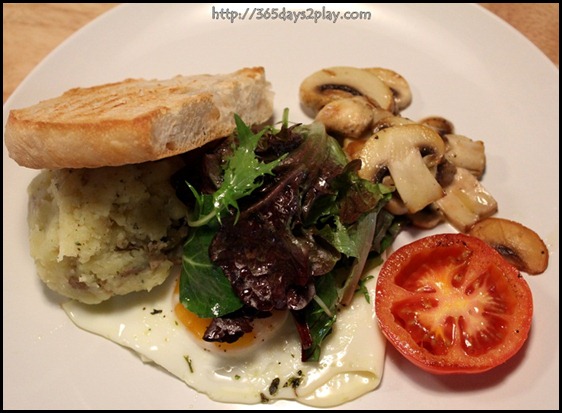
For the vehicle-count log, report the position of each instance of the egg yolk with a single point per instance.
(197, 327)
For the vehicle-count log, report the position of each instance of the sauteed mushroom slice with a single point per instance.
(445, 173)
(518, 244)
(390, 121)
(465, 153)
(395, 205)
(349, 118)
(427, 218)
(339, 82)
(466, 201)
(353, 146)
(397, 84)
(406, 152)
(441, 125)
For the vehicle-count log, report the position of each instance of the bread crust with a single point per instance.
(135, 120)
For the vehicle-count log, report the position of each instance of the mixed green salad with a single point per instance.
(279, 220)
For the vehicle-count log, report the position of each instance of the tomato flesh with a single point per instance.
(452, 304)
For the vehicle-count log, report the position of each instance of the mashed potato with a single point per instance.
(95, 233)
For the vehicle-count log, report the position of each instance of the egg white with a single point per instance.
(351, 363)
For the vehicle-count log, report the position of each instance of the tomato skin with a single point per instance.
(450, 304)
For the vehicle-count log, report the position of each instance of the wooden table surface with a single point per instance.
(31, 31)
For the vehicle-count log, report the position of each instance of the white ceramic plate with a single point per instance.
(462, 63)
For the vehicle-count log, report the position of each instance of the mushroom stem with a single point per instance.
(399, 149)
(465, 153)
(466, 201)
(412, 178)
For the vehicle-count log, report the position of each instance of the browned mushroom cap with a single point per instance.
(339, 82)
(353, 118)
(407, 152)
(518, 244)
(390, 121)
(399, 86)
(347, 118)
(352, 147)
(441, 125)
(427, 218)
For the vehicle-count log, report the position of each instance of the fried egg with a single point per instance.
(265, 368)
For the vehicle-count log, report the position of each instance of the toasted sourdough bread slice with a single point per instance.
(135, 120)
